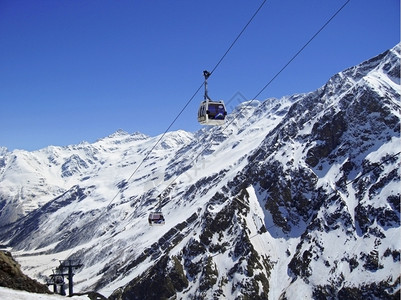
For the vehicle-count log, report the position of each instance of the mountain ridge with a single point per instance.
(251, 211)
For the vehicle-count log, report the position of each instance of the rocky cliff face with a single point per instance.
(296, 197)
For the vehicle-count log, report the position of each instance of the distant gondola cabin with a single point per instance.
(156, 218)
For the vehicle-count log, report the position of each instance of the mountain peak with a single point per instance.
(122, 136)
(119, 132)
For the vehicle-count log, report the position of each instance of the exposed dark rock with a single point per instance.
(382, 290)
(12, 277)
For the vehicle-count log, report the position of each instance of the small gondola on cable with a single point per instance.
(211, 112)
(156, 217)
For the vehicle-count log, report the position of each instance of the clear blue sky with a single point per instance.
(73, 71)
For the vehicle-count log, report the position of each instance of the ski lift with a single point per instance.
(211, 112)
(156, 217)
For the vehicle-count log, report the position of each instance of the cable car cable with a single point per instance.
(304, 46)
(238, 36)
(271, 80)
(193, 96)
(235, 117)
(190, 100)
(295, 55)
(185, 106)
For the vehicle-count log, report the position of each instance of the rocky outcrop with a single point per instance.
(12, 277)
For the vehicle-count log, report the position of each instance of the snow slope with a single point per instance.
(9, 294)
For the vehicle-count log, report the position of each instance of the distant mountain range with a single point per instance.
(294, 198)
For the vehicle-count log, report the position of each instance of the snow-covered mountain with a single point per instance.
(297, 197)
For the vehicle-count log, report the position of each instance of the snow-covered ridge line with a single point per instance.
(256, 214)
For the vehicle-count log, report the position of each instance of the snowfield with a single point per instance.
(9, 294)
